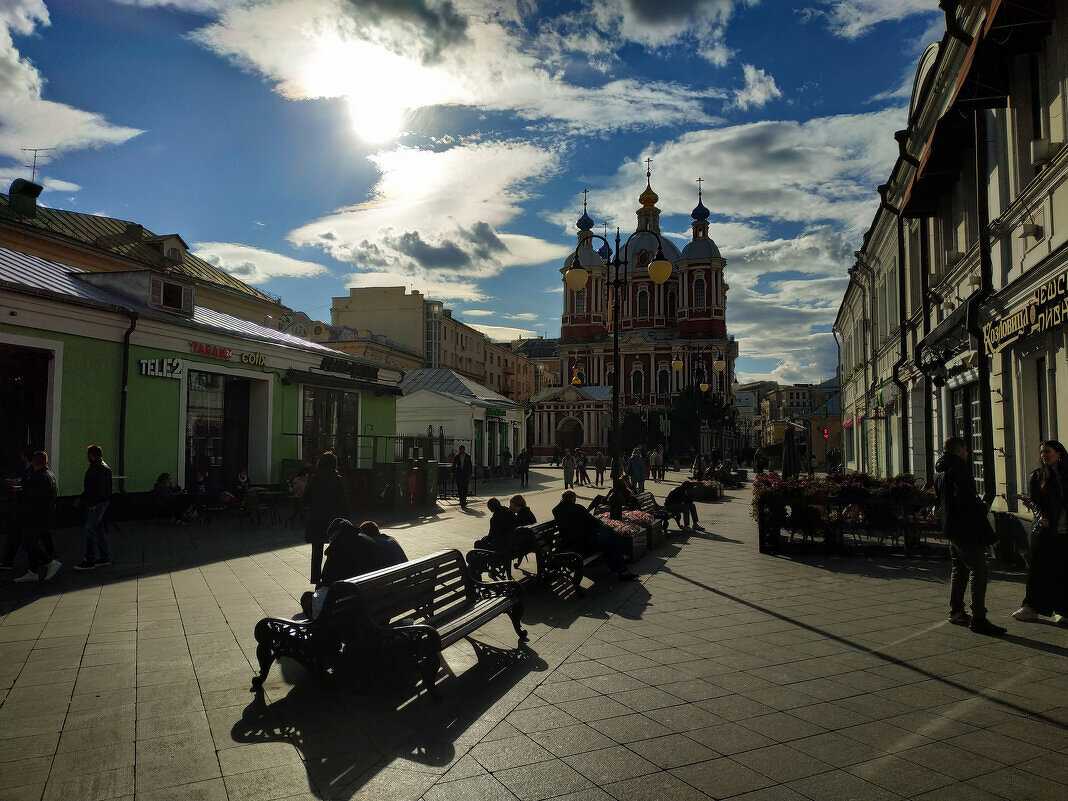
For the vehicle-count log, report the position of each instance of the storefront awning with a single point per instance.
(956, 318)
(338, 382)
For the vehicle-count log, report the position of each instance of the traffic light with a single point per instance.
(826, 434)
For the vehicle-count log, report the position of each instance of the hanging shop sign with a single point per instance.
(255, 359)
(1047, 309)
(161, 368)
(332, 364)
(214, 351)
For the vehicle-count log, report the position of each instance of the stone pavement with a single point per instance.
(722, 673)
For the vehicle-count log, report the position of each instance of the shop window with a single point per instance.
(967, 424)
(23, 404)
(217, 426)
(331, 423)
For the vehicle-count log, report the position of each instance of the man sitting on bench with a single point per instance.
(680, 503)
(584, 533)
(351, 552)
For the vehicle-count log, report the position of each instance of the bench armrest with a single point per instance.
(493, 589)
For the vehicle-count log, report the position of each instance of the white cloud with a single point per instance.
(852, 19)
(429, 223)
(760, 89)
(527, 316)
(478, 312)
(26, 118)
(253, 265)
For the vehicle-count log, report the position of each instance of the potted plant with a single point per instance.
(632, 534)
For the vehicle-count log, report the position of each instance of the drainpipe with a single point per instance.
(122, 398)
(928, 385)
(949, 7)
(902, 327)
(975, 302)
(869, 329)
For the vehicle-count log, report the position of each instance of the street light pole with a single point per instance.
(576, 277)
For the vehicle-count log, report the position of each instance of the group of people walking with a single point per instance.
(36, 490)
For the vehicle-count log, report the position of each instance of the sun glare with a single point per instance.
(379, 85)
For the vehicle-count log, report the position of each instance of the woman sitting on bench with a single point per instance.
(352, 552)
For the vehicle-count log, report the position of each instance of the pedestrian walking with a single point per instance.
(964, 524)
(461, 474)
(522, 463)
(655, 462)
(568, 463)
(600, 464)
(95, 497)
(580, 465)
(636, 470)
(36, 511)
(324, 500)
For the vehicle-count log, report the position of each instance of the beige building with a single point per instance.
(954, 319)
(416, 325)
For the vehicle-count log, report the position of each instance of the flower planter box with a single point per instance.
(634, 545)
(654, 534)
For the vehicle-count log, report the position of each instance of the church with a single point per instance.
(676, 360)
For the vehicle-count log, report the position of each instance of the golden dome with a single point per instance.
(648, 198)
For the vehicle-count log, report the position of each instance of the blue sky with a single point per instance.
(311, 145)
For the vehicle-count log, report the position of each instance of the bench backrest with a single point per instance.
(419, 589)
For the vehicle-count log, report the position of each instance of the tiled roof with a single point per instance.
(444, 380)
(124, 239)
(22, 272)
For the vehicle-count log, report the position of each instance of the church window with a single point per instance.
(663, 382)
(672, 306)
(637, 383)
(699, 293)
(643, 303)
(580, 301)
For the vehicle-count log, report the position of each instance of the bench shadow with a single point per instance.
(349, 735)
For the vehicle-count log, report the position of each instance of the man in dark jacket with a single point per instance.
(36, 513)
(461, 472)
(958, 509)
(96, 496)
(584, 533)
(680, 503)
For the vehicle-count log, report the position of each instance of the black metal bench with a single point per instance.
(407, 612)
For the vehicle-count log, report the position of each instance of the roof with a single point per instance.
(594, 393)
(537, 348)
(465, 399)
(444, 380)
(22, 272)
(126, 240)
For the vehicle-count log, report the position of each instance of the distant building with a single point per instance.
(416, 325)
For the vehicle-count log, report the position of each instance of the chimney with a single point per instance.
(22, 197)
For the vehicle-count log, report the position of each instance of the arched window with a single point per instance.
(637, 383)
(643, 303)
(672, 307)
(610, 379)
(699, 293)
(580, 301)
(663, 382)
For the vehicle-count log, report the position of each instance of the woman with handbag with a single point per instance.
(1047, 594)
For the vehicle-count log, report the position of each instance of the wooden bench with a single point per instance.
(407, 612)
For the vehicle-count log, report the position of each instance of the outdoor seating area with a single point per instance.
(840, 512)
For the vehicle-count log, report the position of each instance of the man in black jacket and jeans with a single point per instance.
(958, 509)
(96, 496)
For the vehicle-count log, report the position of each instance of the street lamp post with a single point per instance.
(576, 277)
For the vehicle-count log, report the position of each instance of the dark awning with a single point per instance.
(338, 382)
(957, 317)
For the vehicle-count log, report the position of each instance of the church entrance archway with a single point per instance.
(569, 433)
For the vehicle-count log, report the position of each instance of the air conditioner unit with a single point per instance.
(1043, 151)
(1030, 231)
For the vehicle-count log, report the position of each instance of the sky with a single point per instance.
(308, 146)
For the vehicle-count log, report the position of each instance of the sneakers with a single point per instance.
(103, 561)
(983, 626)
(960, 618)
(1025, 613)
(698, 527)
(28, 577)
(85, 565)
(1060, 620)
(51, 569)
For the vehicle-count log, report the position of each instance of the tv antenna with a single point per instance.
(37, 151)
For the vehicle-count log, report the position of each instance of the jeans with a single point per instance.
(969, 560)
(96, 542)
